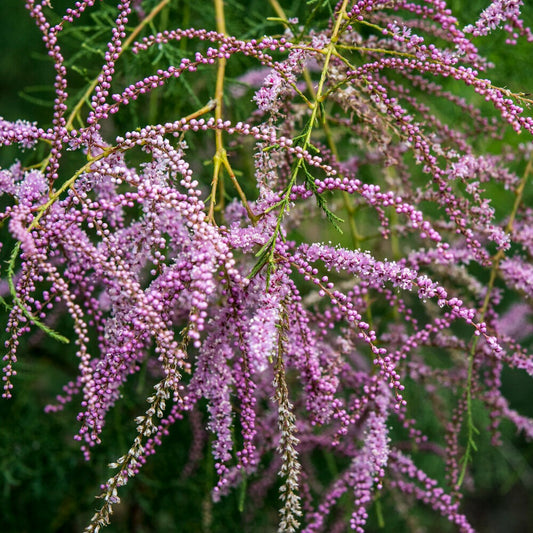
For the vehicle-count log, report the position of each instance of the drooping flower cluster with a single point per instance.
(238, 306)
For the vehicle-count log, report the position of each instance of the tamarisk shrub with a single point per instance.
(312, 254)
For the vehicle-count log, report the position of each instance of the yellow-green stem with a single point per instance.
(471, 429)
(125, 45)
(220, 153)
(318, 98)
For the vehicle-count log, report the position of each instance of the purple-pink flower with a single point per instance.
(201, 251)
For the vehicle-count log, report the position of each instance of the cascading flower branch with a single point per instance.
(222, 284)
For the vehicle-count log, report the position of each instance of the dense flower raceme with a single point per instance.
(293, 345)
